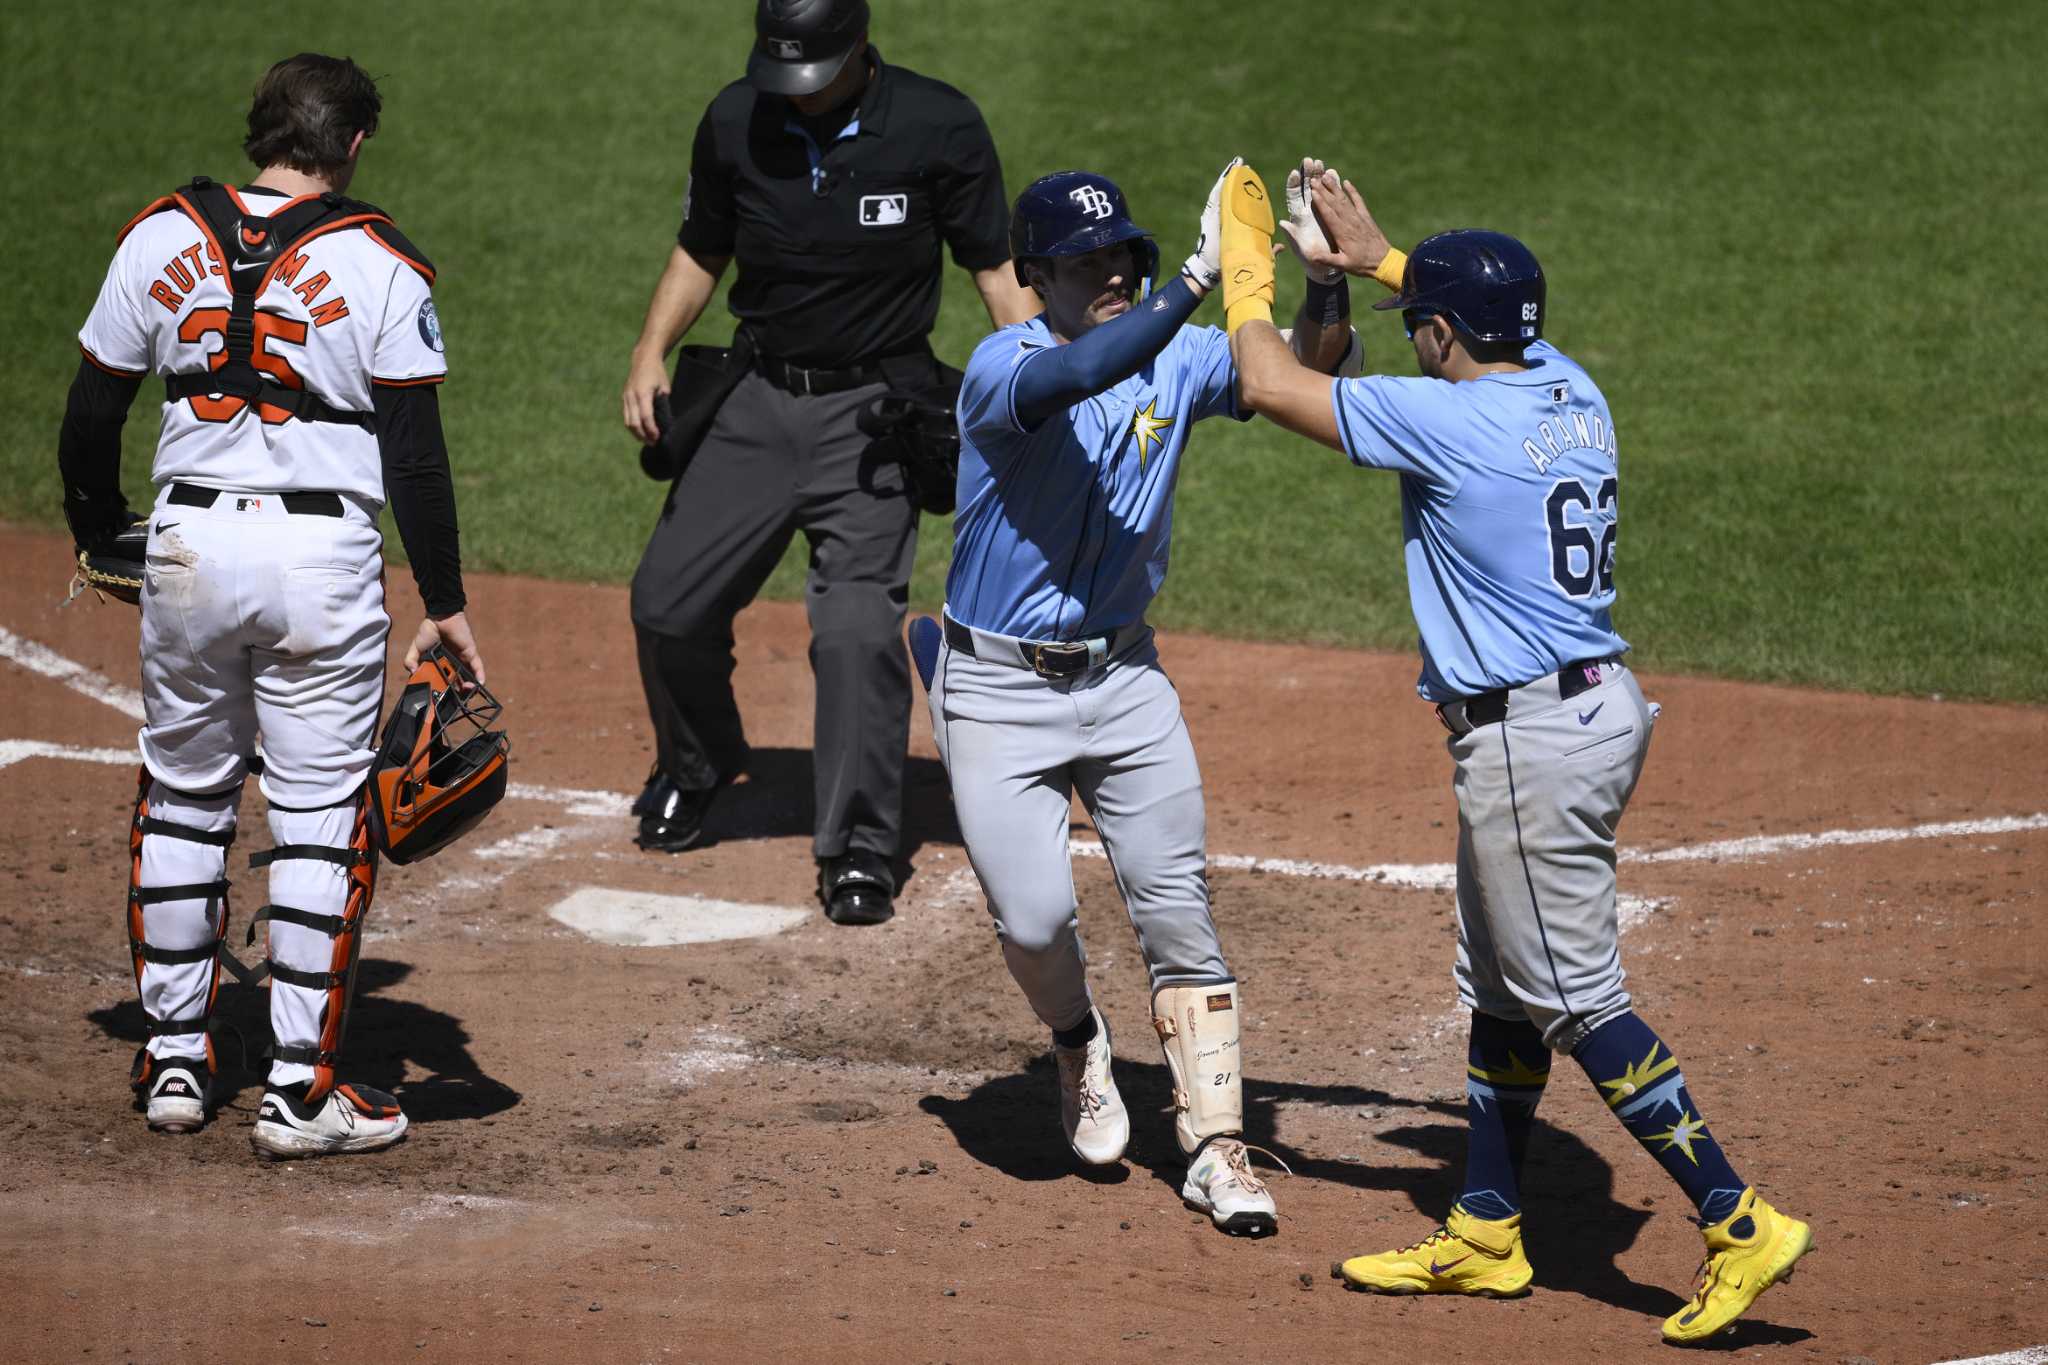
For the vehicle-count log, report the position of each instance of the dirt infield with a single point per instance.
(843, 1143)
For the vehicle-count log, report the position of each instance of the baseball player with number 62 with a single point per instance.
(1510, 487)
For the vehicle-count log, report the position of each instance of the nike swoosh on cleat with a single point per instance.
(1586, 717)
(1436, 1269)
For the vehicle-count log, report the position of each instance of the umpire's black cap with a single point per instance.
(800, 45)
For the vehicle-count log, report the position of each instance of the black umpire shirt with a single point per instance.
(837, 238)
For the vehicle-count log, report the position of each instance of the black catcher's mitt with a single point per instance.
(111, 563)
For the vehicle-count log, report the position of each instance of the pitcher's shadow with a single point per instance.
(383, 1035)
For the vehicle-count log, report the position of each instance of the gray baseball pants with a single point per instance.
(1540, 795)
(1017, 747)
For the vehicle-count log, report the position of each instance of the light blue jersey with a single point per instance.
(1063, 532)
(1509, 504)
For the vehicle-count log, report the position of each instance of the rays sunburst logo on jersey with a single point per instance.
(1148, 428)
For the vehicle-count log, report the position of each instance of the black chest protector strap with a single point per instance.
(250, 248)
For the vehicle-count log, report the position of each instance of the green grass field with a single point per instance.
(1793, 243)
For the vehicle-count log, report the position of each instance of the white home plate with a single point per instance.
(641, 919)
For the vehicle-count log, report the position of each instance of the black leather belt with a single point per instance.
(798, 380)
(302, 504)
(1048, 659)
(1488, 708)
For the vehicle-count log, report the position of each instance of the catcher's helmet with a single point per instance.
(1070, 213)
(441, 767)
(800, 45)
(1487, 283)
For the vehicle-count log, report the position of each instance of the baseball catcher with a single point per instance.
(294, 332)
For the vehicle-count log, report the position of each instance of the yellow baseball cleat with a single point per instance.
(1747, 1252)
(1466, 1255)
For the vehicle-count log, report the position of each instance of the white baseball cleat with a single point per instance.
(1220, 1183)
(351, 1118)
(175, 1094)
(1091, 1111)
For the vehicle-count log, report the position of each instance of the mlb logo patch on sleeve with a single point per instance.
(883, 210)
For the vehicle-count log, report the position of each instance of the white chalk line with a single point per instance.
(1411, 876)
(49, 663)
(2025, 1355)
(1765, 845)
(13, 751)
(1415, 876)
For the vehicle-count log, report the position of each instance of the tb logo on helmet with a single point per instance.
(1092, 200)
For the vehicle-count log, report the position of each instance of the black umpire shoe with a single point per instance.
(659, 785)
(673, 819)
(856, 888)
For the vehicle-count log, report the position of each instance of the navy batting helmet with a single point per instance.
(1487, 283)
(800, 45)
(1070, 213)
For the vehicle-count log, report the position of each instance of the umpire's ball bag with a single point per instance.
(705, 377)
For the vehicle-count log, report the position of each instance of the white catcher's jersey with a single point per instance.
(351, 310)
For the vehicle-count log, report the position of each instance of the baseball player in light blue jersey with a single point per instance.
(1509, 474)
(1072, 430)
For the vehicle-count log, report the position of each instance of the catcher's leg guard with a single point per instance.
(177, 916)
(323, 873)
(1198, 1031)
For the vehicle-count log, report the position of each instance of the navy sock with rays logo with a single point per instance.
(1640, 1080)
(1506, 1068)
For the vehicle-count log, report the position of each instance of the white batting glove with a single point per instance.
(1204, 269)
(1304, 234)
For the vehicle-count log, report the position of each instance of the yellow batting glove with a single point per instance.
(1246, 230)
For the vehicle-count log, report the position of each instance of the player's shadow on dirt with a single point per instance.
(1577, 1227)
(383, 1035)
(775, 801)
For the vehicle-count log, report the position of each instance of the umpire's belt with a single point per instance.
(303, 504)
(798, 380)
(1466, 714)
(1047, 658)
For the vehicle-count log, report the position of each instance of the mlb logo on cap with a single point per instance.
(786, 49)
(883, 210)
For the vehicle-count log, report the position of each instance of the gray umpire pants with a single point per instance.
(775, 463)
(1540, 796)
(1017, 747)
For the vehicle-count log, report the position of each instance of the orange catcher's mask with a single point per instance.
(441, 767)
